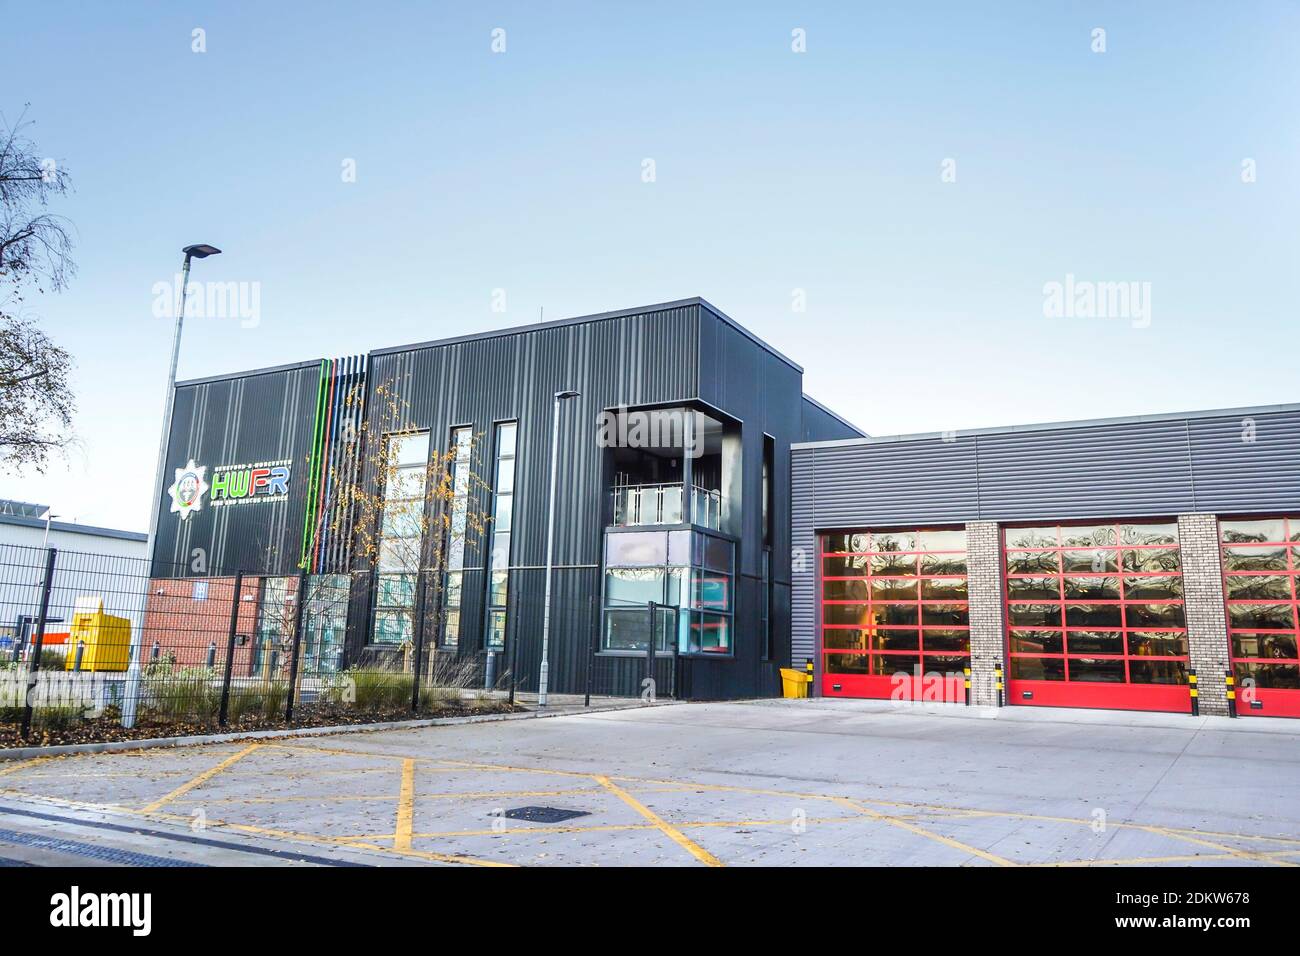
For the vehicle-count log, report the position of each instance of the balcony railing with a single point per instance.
(664, 504)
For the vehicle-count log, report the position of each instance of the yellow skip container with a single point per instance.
(107, 641)
(794, 683)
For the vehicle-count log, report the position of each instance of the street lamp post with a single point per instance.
(198, 251)
(544, 676)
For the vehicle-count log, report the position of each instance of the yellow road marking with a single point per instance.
(405, 807)
(22, 764)
(921, 831)
(198, 781)
(670, 831)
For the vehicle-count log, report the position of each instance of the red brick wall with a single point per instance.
(184, 627)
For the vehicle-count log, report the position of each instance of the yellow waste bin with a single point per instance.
(107, 640)
(794, 683)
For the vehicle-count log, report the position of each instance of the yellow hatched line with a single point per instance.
(670, 831)
(198, 781)
(405, 807)
(921, 831)
(22, 765)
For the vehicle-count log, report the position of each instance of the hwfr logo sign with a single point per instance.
(266, 481)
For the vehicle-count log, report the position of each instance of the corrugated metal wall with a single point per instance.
(1222, 462)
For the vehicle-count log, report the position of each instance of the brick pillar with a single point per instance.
(1207, 628)
(984, 586)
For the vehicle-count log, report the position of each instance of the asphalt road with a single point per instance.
(822, 782)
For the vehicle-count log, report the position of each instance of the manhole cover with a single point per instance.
(544, 814)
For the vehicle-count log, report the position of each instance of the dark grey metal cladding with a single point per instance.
(1243, 461)
(821, 424)
(235, 420)
(627, 359)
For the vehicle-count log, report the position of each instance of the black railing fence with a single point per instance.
(94, 646)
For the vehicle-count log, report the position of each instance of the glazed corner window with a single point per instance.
(503, 504)
(462, 441)
(1261, 579)
(401, 535)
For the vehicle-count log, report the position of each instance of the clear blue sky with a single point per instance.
(775, 171)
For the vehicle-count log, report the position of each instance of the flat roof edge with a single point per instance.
(268, 370)
(69, 527)
(1057, 426)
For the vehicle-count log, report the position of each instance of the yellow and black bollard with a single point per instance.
(1230, 681)
(967, 677)
(809, 666)
(997, 673)
(1191, 689)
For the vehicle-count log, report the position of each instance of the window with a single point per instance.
(502, 520)
(688, 573)
(275, 614)
(401, 536)
(1261, 580)
(1097, 603)
(895, 601)
(462, 440)
(766, 634)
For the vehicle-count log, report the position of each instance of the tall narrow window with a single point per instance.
(503, 501)
(462, 440)
(401, 536)
(766, 634)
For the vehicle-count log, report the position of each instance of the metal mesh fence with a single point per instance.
(96, 646)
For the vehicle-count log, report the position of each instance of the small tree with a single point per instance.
(36, 404)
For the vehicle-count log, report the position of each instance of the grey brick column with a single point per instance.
(1207, 628)
(984, 586)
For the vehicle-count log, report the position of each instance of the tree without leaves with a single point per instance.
(36, 404)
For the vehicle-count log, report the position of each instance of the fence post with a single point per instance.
(297, 645)
(230, 647)
(417, 663)
(34, 664)
(650, 649)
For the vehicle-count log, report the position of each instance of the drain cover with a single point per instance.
(544, 814)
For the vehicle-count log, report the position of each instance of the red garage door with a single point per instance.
(894, 615)
(1095, 616)
(1261, 571)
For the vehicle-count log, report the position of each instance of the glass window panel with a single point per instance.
(893, 565)
(506, 439)
(1139, 534)
(846, 663)
(1090, 561)
(943, 564)
(945, 640)
(1038, 668)
(855, 590)
(855, 614)
(938, 589)
(1017, 538)
(1261, 617)
(711, 633)
(848, 542)
(496, 630)
(633, 586)
(1086, 536)
(712, 592)
(1157, 644)
(451, 628)
(1153, 560)
(1154, 589)
(1032, 562)
(1092, 589)
(898, 614)
(887, 665)
(410, 449)
(1031, 615)
(504, 512)
(1092, 615)
(893, 541)
(1279, 676)
(500, 557)
(944, 615)
(1097, 670)
(887, 589)
(897, 640)
(847, 639)
(403, 519)
(404, 483)
(1264, 645)
(396, 590)
(717, 553)
(1153, 615)
(1020, 589)
(1267, 529)
(678, 584)
(679, 552)
(954, 540)
(843, 566)
(497, 588)
(398, 554)
(1037, 642)
(392, 627)
(627, 630)
(453, 588)
(1254, 559)
(1258, 587)
(636, 548)
(1157, 672)
(1094, 642)
(946, 664)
